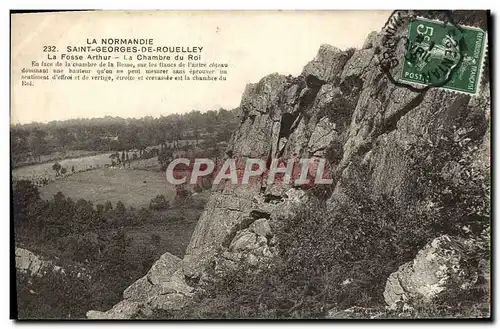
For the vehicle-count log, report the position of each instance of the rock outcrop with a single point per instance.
(163, 287)
(439, 265)
(342, 106)
(29, 263)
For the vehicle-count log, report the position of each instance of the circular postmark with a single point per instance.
(419, 53)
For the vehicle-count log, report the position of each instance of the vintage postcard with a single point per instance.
(275, 165)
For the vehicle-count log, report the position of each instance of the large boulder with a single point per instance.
(163, 268)
(30, 263)
(27, 261)
(436, 268)
(163, 287)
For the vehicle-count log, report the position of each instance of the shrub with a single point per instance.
(56, 167)
(182, 194)
(159, 203)
(341, 256)
(100, 208)
(449, 182)
(52, 296)
(120, 208)
(155, 239)
(24, 194)
(144, 215)
(108, 206)
(319, 251)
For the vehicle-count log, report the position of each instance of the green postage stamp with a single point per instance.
(444, 55)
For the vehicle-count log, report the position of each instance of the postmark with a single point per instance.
(420, 53)
(440, 54)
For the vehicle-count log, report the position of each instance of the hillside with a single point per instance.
(405, 222)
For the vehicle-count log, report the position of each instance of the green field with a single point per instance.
(132, 187)
(40, 170)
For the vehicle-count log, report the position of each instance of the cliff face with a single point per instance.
(341, 107)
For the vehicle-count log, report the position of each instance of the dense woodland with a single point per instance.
(30, 142)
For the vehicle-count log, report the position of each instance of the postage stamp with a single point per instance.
(443, 55)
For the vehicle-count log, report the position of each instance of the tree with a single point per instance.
(64, 137)
(38, 143)
(120, 208)
(100, 208)
(19, 141)
(57, 167)
(113, 157)
(164, 157)
(144, 215)
(85, 215)
(159, 203)
(25, 193)
(108, 206)
(156, 240)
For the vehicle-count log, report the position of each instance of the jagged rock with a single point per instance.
(139, 290)
(232, 256)
(261, 227)
(252, 137)
(121, 311)
(246, 240)
(29, 262)
(257, 96)
(176, 284)
(435, 268)
(167, 302)
(371, 41)
(163, 268)
(224, 215)
(227, 262)
(96, 315)
(322, 136)
(327, 65)
(294, 197)
(357, 64)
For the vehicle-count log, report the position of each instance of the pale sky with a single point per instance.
(254, 44)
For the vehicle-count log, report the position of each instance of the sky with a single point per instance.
(253, 43)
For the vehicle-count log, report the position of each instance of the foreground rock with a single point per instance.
(163, 287)
(27, 261)
(34, 265)
(439, 266)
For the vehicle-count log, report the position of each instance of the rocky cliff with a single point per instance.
(341, 107)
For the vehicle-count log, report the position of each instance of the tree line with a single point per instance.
(34, 140)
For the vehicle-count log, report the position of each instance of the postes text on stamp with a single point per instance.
(444, 55)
